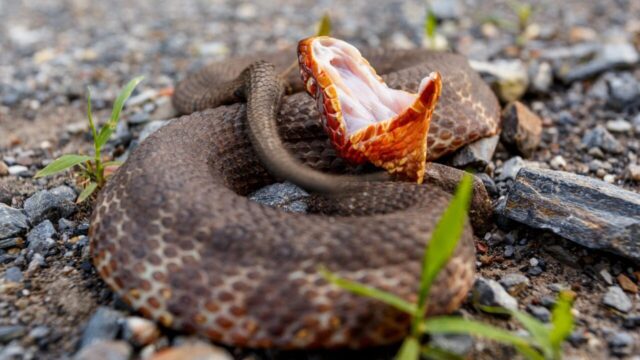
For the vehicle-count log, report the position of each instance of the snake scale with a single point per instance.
(175, 237)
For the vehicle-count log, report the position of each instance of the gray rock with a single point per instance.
(514, 283)
(541, 78)
(286, 196)
(633, 172)
(39, 239)
(521, 128)
(13, 274)
(10, 332)
(609, 56)
(624, 90)
(39, 332)
(600, 137)
(105, 350)
(510, 168)
(460, 345)
(636, 124)
(103, 325)
(50, 204)
(617, 299)
(508, 78)
(488, 292)
(447, 9)
(150, 128)
(620, 343)
(585, 210)
(11, 242)
(13, 222)
(5, 195)
(18, 170)
(540, 312)
(477, 155)
(619, 126)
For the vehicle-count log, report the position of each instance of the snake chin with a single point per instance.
(366, 119)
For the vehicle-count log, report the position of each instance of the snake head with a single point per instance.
(364, 118)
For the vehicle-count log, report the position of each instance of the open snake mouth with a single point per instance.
(364, 118)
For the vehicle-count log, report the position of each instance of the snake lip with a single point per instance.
(364, 118)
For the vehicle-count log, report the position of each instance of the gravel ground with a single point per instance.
(575, 65)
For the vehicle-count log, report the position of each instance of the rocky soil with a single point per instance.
(573, 67)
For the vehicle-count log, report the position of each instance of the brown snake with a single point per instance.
(173, 234)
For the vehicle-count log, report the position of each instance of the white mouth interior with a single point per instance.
(364, 99)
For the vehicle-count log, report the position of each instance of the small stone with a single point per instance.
(140, 331)
(77, 127)
(624, 90)
(13, 274)
(508, 78)
(636, 124)
(447, 9)
(50, 204)
(582, 209)
(509, 251)
(17, 170)
(460, 345)
(633, 172)
(600, 137)
(286, 196)
(609, 178)
(488, 292)
(104, 325)
(510, 168)
(542, 78)
(477, 154)
(11, 243)
(13, 222)
(39, 239)
(514, 283)
(11, 332)
(619, 126)
(606, 276)
(609, 56)
(39, 332)
(617, 299)
(632, 321)
(558, 162)
(521, 128)
(5, 195)
(627, 284)
(540, 312)
(105, 350)
(620, 343)
(535, 271)
(197, 350)
(4, 169)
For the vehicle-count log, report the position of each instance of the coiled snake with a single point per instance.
(173, 234)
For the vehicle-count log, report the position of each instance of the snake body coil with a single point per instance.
(175, 237)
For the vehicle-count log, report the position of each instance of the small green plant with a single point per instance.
(543, 342)
(93, 170)
(430, 25)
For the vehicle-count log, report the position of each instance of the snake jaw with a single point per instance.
(364, 118)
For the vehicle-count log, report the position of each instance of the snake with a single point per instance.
(174, 234)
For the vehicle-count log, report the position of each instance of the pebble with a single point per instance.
(460, 345)
(18, 170)
(40, 238)
(633, 172)
(510, 168)
(602, 138)
(558, 162)
(13, 274)
(636, 124)
(624, 90)
(193, 351)
(608, 57)
(535, 271)
(447, 9)
(617, 299)
(627, 284)
(10, 332)
(579, 208)
(508, 78)
(104, 325)
(606, 276)
(620, 343)
(13, 222)
(140, 331)
(609, 178)
(106, 350)
(542, 78)
(4, 169)
(619, 126)
(39, 332)
(540, 312)
(50, 204)
(477, 154)
(514, 283)
(521, 128)
(285, 196)
(487, 292)
(5, 195)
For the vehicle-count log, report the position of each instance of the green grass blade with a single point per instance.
(529, 353)
(537, 329)
(459, 325)
(87, 192)
(62, 163)
(371, 292)
(435, 353)
(430, 24)
(445, 237)
(410, 349)
(324, 27)
(112, 163)
(561, 319)
(92, 124)
(110, 126)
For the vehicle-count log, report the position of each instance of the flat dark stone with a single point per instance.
(589, 212)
